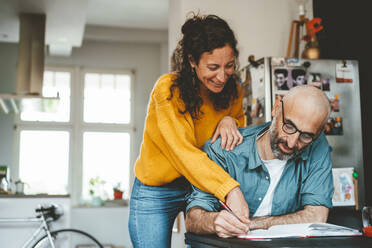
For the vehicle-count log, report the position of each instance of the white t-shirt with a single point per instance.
(275, 168)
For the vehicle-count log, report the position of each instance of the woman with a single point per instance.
(202, 99)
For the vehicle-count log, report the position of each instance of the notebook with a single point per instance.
(301, 231)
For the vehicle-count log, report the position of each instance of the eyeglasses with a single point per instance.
(290, 128)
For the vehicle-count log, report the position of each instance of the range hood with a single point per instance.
(30, 65)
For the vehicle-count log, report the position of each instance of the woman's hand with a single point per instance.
(230, 135)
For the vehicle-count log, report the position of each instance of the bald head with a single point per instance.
(310, 103)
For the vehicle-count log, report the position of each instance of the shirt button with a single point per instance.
(267, 178)
(259, 198)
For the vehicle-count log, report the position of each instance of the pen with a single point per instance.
(228, 209)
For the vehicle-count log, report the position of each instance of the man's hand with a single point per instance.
(230, 135)
(236, 201)
(227, 225)
(307, 215)
(223, 223)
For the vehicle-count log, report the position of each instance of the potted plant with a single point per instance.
(95, 191)
(118, 192)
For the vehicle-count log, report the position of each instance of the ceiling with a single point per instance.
(66, 19)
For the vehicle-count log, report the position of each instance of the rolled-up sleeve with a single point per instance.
(317, 189)
(202, 200)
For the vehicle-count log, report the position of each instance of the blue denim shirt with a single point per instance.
(306, 179)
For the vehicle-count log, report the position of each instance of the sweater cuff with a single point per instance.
(237, 122)
(225, 188)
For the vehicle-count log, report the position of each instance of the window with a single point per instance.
(55, 82)
(113, 92)
(107, 102)
(106, 155)
(62, 145)
(43, 160)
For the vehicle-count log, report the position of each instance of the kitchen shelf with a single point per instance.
(33, 196)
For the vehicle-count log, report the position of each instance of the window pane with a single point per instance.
(107, 98)
(50, 110)
(44, 161)
(106, 155)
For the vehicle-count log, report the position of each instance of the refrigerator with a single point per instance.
(269, 78)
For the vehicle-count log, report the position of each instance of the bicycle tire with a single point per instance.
(69, 230)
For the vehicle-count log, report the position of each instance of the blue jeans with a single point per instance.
(153, 210)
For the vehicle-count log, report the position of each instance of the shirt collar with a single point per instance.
(257, 161)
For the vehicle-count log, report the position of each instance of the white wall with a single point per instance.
(108, 225)
(261, 26)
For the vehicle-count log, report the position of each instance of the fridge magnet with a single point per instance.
(288, 77)
(254, 94)
(325, 84)
(258, 95)
(334, 101)
(343, 187)
(316, 79)
(298, 76)
(344, 72)
(334, 126)
(257, 107)
(278, 61)
(281, 78)
(292, 61)
(258, 75)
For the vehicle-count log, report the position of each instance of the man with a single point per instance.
(281, 76)
(283, 167)
(298, 76)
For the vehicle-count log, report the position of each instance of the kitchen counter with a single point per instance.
(33, 196)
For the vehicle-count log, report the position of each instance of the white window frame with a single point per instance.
(76, 127)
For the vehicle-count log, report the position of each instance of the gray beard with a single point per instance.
(275, 141)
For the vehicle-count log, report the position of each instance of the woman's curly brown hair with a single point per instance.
(202, 34)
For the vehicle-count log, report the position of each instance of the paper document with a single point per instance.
(343, 186)
(302, 230)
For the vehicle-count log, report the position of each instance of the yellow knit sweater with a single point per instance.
(172, 142)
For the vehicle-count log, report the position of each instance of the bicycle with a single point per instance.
(68, 237)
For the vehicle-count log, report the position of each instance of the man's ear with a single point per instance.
(276, 106)
(321, 129)
(319, 132)
(191, 61)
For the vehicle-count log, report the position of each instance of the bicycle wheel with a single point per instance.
(68, 238)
